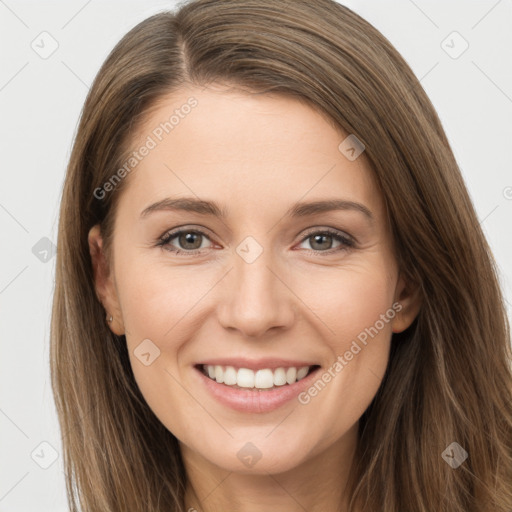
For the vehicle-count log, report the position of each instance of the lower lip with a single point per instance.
(252, 400)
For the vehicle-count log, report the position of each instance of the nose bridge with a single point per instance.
(256, 299)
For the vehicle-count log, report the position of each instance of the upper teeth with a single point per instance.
(261, 379)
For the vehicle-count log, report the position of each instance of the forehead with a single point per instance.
(245, 148)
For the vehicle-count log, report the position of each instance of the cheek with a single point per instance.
(164, 305)
(157, 308)
(349, 300)
(354, 306)
(154, 300)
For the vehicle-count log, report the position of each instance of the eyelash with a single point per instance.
(346, 242)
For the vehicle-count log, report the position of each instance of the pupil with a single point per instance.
(188, 238)
(317, 239)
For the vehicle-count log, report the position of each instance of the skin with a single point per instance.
(255, 155)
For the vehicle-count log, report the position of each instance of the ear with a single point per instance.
(409, 298)
(104, 282)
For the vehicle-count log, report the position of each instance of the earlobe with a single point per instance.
(103, 282)
(408, 296)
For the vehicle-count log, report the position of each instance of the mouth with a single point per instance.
(262, 379)
(266, 387)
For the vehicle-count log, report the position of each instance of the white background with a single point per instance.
(40, 102)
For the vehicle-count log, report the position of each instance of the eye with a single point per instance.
(190, 241)
(322, 241)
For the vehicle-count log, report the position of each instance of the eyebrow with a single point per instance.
(300, 209)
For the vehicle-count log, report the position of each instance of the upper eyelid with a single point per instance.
(340, 232)
(172, 233)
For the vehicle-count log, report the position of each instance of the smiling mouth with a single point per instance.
(261, 380)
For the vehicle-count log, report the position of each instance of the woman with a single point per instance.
(207, 352)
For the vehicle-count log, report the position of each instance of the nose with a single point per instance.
(256, 298)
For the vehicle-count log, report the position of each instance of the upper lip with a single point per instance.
(257, 364)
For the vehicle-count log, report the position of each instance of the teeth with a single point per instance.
(302, 372)
(279, 377)
(291, 375)
(245, 378)
(261, 379)
(230, 377)
(264, 379)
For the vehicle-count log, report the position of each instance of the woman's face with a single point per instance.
(277, 283)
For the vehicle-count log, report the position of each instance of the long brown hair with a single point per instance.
(449, 375)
